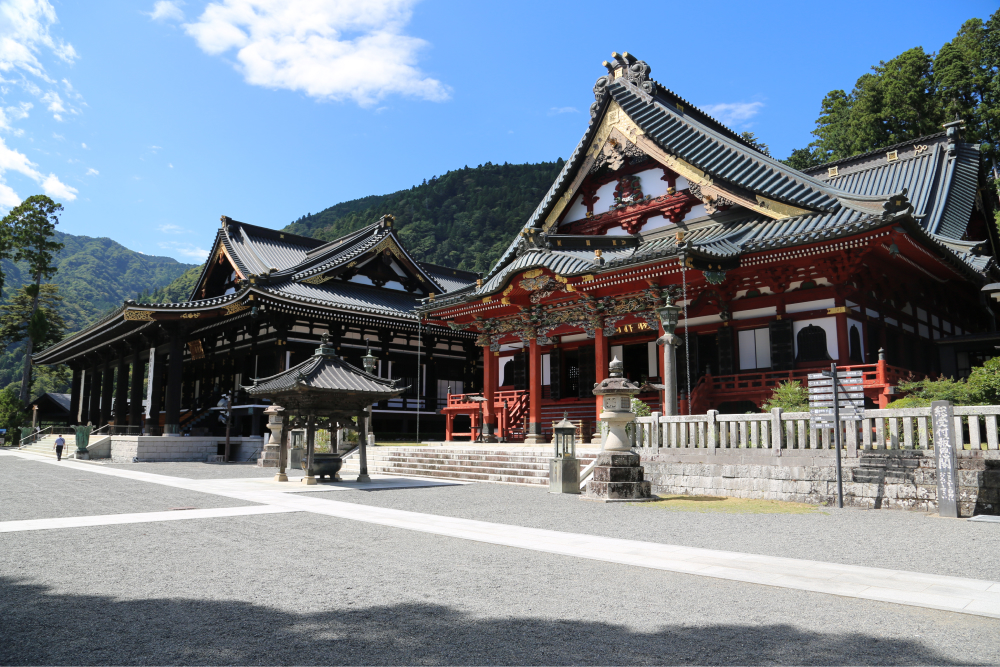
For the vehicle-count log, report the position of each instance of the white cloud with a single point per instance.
(173, 229)
(56, 188)
(84, 146)
(186, 249)
(170, 165)
(166, 10)
(13, 114)
(328, 49)
(733, 114)
(26, 41)
(24, 26)
(92, 172)
(558, 110)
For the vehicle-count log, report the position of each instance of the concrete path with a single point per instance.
(957, 594)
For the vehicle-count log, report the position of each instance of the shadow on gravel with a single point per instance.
(38, 627)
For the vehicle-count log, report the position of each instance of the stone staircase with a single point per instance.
(45, 446)
(506, 465)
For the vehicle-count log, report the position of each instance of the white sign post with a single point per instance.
(836, 397)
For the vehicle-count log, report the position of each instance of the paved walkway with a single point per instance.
(957, 594)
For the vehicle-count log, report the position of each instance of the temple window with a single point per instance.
(755, 348)
(811, 344)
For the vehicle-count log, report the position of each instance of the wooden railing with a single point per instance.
(749, 385)
(908, 428)
(511, 407)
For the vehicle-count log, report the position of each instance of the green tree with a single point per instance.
(790, 396)
(752, 139)
(895, 102)
(804, 158)
(12, 413)
(45, 326)
(33, 224)
(966, 73)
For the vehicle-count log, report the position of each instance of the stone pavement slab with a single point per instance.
(969, 596)
(180, 514)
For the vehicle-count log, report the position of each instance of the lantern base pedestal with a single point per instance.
(564, 475)
(618, 477)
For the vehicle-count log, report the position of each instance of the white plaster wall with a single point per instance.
(606, 197)
(577, 211)
(651, 182)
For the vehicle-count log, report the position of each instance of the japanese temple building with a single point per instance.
(779, 272)
(262, 303)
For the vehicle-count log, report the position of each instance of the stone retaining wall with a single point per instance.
(876, 479)
(143, 448)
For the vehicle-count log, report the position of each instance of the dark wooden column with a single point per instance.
(107, 392)
(156, 392)
(94, 381)
(135, 393)
(121, 392)
(175, 369)
(74, 396)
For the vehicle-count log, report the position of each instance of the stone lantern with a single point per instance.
(618, 475)
(271, 456)
(564, 468)
(669, 315)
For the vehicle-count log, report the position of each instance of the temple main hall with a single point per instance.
(875, 262)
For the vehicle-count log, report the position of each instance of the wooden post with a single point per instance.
(600, 366)
(534, 436)
(74, 396)
(175, 368)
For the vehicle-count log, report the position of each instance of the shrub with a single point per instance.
(920, 393)
(790, 396)
(639, 408)
(984, 382)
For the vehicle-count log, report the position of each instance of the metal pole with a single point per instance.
(419, 366)
(836, 432)
(229, 421)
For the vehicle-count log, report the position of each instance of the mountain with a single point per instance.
(94, 276)
(464, 219)
(178, 290)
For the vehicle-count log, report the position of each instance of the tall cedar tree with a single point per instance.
(32, 224)
(913, 95)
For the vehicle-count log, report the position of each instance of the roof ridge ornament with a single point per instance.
(627, 67)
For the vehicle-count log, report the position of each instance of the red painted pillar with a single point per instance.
(448, 424)
(534, 435)
(491, 369)
(600, 365)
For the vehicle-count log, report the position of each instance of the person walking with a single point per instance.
(60, 443)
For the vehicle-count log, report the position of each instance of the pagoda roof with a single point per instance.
(278, 268)
(929, 188)
(325, 384)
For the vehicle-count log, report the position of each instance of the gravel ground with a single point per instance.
(894, 539)
(310, 589)
(37, 490)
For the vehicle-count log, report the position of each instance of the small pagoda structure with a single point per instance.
(324, 392)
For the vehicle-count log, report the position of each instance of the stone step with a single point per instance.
(471, 477)
(470, 470)
(489, 463)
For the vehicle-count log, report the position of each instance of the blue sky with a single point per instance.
(150, 119)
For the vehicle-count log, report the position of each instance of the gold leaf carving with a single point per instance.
(235, 308)
(190, 316)
(138, 315)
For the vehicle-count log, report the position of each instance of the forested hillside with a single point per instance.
(464, 219)
(178, 290)
(95, 275)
